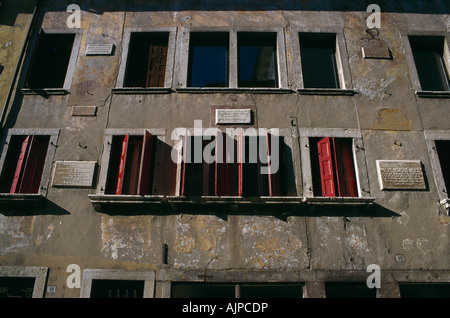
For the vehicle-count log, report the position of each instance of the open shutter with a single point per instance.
(157, 60)
(241, 158)
(345, 170)
(123, 158)
(184, 165)
(221, 182)
(326, 167)
(275, 175)
(20, 165)
(146, 168)
(32, 173)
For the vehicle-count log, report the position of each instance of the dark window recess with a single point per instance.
(443, 150)
(117, 288)
(318, 59)
(233, 290)
(235, 170)
(24, 163)
(50, 61)
(332, 167)
(424, 290)
(208, 59)
(349, 290)
(140, 165)
(257, 59)
(16, 287)
(147, 60)
(428, 57)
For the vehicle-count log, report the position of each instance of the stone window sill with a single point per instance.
(44, 91)
(142, 90)
(326, 91)
(433, 94)
(8, 200)
(339, 201)
(256, 90)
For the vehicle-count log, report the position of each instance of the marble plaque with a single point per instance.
(400, 175)
(233, 116)
(99, 49)
(376, 52)
(74, 174)
(89, 111)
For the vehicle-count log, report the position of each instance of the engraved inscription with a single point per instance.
(74, 173)
(99, 49)
(376, 52)
(84, 110)
(233, 116)
(400, 174)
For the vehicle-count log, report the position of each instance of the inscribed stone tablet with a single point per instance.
(74, 173)
(400, 175)
(233, 116)
(99, 49)
(376, 52)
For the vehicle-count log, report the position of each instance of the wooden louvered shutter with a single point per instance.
(20, 165)
(123, 157)
(157, 60)
(241, 159)
(326, 167)
(275, 178)
(184, 165)
(221, 180)
(31, 179)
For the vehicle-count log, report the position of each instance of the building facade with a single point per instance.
(224, 148)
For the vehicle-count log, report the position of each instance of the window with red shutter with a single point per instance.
(332, 167)
(24, 164)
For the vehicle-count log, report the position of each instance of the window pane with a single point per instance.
(117, 289)
(147, 58)
(16, 287)
(208, 60)
(424, 290)
(202, 290)
(443, 150)
(257, 60)
(318, 60)
(50, 61)
(271, 291)
(427, 52)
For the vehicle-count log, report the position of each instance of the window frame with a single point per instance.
(341, 57)
(46, 172)
(414, 76)
(117, 274)
(430, 137)
(70, 67)
(183, 55)
(168, 80)
(359, 162)
(38, 273)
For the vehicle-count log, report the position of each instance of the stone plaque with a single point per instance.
(74, 173)
(400, 175)
(233, 116)
(84, 111)
(99, 49)
(376, 52)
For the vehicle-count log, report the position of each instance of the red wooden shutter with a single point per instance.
(145, 174)
(32, 173)
(221, 182)
(241, 158)
(274, 177)
(326, 167)
(345, 170)
(185, 151)
(20, 164)
(123, 158)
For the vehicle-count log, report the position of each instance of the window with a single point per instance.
(257, 59)
(147, 59)
(332, 167)
(318, 60)
(208, 59)
(443, 150)
(237, 290)
(50, 60)
(428, 53)
(24, 164)
(131, 165)
(424, 290)
(108, 288)
(228, 166)
(349, 290)
(16, 287)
